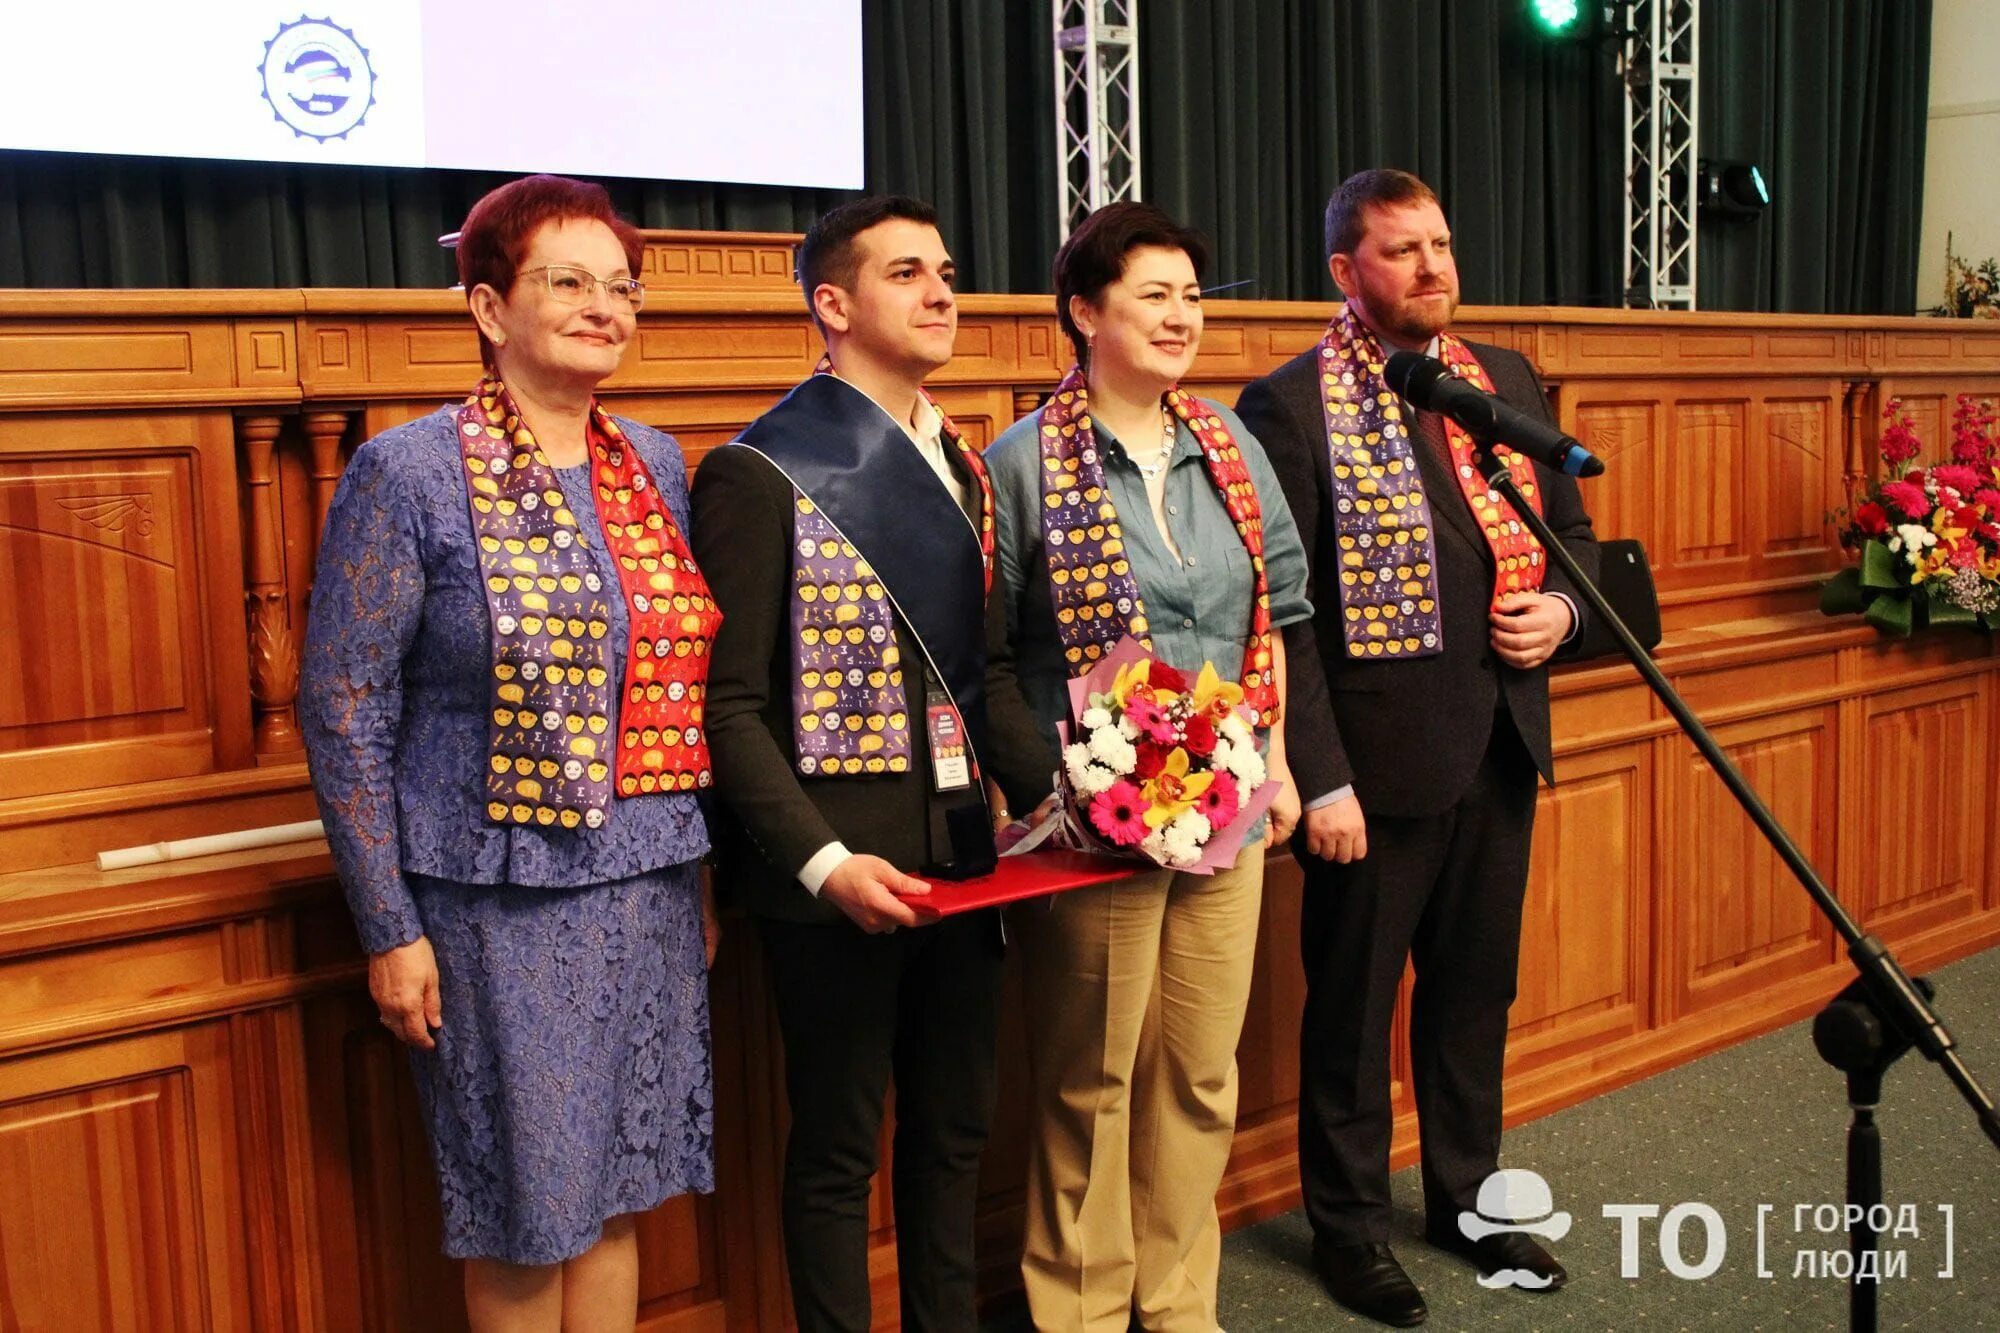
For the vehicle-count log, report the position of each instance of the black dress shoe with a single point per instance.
(1515, 1254)
(1367, 1280)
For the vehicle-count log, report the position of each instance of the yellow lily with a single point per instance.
(1172, 790)
(1213, 695)
(1135, 674)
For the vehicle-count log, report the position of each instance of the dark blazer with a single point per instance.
(1408, 734)
(775, 819)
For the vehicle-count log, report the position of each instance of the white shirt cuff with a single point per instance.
(1575, 622)
(1337, 794)
(824, 862)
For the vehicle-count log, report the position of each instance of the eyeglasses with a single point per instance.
(573, 286)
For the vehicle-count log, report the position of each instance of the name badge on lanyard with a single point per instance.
(951, 761)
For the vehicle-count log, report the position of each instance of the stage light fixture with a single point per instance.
(1556, 18)
(1733, 189)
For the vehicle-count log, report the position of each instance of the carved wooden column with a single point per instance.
(1858, 446)
(324, 432)
(274, 656)
(1026, 401)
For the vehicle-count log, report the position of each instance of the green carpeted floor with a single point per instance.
(1762, 1123)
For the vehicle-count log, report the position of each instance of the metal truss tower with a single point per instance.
(1661, 127)
(1097, 106)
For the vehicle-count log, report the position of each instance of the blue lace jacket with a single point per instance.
(393, 691)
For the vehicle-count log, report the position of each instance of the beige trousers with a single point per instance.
(1136, 993)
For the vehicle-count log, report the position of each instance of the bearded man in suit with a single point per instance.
(1437, 612)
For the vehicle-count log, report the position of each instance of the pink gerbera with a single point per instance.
(1907, 497)
(1119, 813)
(1221, 801)
(1145, 713)
(1963, 479)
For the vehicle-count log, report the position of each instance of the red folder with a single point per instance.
(1030, 875)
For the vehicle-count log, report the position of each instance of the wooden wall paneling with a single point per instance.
(730, 261)
(374, 1183)
(1622, 424)
(718, 351)
(1795, 478)
(980, 414)
(1262, 1178)
(1735, 921)
(116, 565)
(1587, 931)
(1925, 775)
(123, 1210)
(699, 421)
(58, 362)
(1707, 489)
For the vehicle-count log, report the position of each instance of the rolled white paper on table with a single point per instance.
(124, 858)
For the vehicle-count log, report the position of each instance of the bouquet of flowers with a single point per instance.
(1928, 540)
(1971, 291)
(1158, 767)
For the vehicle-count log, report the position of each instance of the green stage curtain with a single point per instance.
(1252, 109)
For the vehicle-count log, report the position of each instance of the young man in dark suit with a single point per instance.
(1436, 614)
(848, 535)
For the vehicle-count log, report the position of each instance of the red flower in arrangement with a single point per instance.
(1119, 813)
(1199, 736)
(1972, 437)
(1163, 677)
(1899, 442)
(1219, 804)
(1988, 496)
(1961, 477)
(1872, 519)
(1907, 497)
(1152, 758)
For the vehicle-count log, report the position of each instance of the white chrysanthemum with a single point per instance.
(1234, 729)
(1094, 779)
(1154, 846)
(1128, 728)
(1247, 767)
(1913, 536)
(1093, 718)
(1112, 750)
(1218, 759)
(1075, 758)
(1196, 825)
(1182, 848)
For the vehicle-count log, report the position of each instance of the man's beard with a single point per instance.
(1415, 322)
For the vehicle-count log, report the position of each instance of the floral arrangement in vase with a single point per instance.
(1927, 538)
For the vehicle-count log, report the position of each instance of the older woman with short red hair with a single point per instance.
(504, 680)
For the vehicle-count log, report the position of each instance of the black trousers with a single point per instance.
(1444, 890)
(922, 1005)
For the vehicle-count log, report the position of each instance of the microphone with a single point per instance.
(1429, 384)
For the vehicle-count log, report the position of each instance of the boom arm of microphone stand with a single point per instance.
(1894, 995)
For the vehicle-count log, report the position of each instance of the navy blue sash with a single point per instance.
(850, 458)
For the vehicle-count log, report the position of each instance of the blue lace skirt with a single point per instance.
(571, 1081)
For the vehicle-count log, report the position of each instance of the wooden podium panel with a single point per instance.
(202, 1125)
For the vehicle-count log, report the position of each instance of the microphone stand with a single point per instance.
(1868, 1025)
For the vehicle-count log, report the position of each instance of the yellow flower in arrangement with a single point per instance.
(1214, 696)
(1173, 790)
(1134, 674)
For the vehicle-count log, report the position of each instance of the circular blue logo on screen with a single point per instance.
(317, 78)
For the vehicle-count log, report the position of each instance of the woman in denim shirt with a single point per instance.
(1137, 990)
